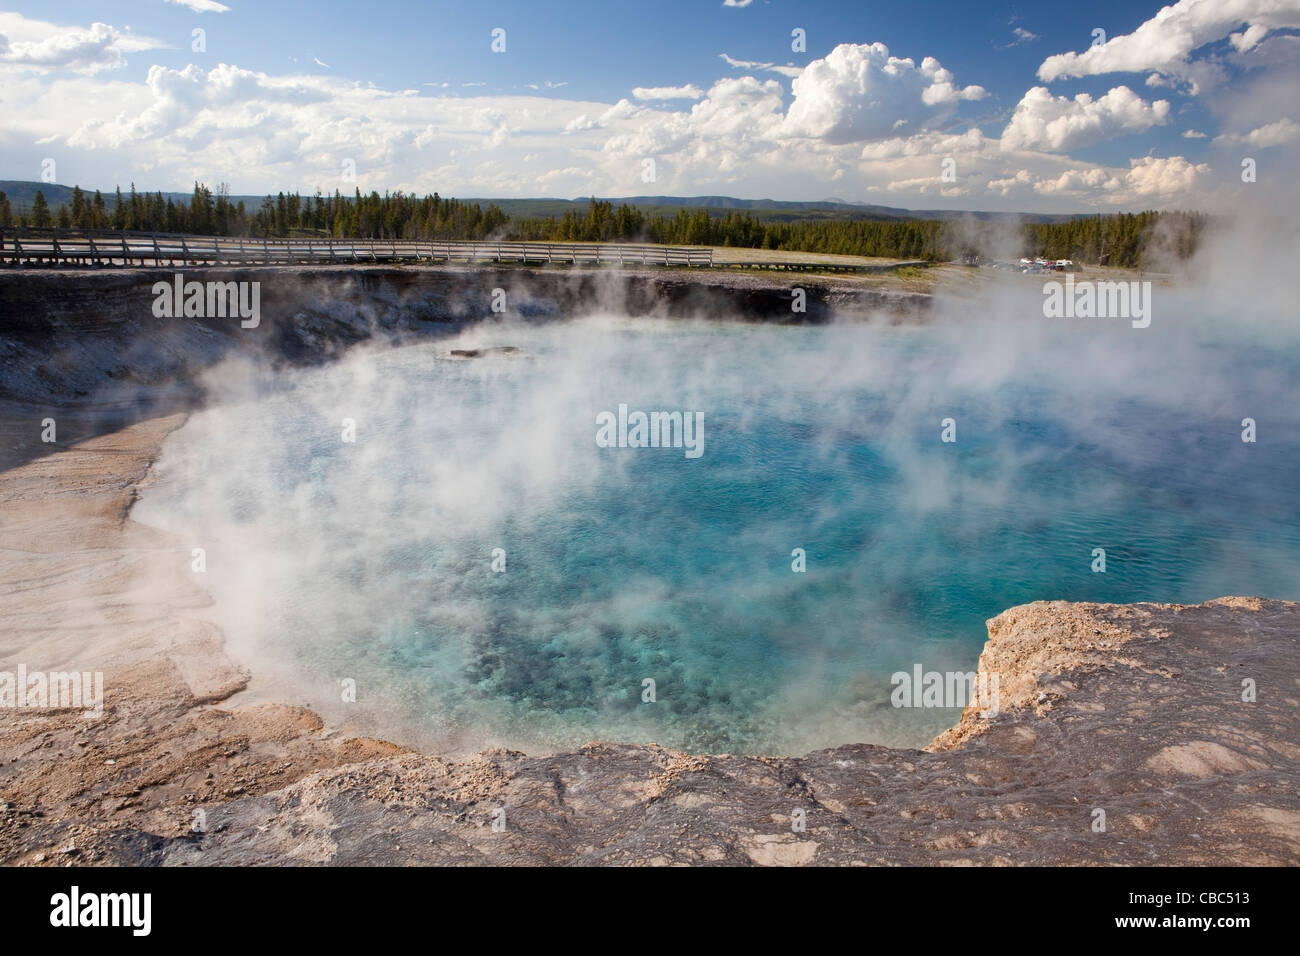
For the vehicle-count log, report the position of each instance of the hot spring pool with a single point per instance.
(371, 560)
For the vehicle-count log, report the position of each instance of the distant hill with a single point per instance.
(21, 193)
(770, 210)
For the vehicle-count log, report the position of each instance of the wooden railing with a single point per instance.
(73, 247)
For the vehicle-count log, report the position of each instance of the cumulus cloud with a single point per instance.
(624, 109)
(743, 105)
(1013, 184)
(37, 45)
(1152, 177)
(1059, 124)
(1248, 39)
(1166, 42)
(1285, 130)
(859, 92)
(265, 132)
(861, 123)
(736, 119)
(1076, 181)
(225, 91)
(687, 92)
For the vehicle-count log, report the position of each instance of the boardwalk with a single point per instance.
(25, 247)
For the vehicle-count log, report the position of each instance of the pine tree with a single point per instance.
(80, 209)
(98, 212)
(135, 212)
(41, 211)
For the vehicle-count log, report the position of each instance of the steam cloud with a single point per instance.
(371, 559)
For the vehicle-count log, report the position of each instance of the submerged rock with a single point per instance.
(481, 353)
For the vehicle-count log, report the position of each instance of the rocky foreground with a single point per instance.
(1134, 710)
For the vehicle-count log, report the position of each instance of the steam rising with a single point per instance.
(371, 560)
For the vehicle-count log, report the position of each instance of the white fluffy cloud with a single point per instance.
(1019, 181)
(1060, 124)
(36, 45)
(861, 124)
(731, 131)
(186, 101)
(1149, 180)
(859, 92)
(1155, 178)
(1165, 43)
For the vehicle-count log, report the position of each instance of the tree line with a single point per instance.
(391, 216)
(1122, 239)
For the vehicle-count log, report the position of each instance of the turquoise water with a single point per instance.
(372, 560)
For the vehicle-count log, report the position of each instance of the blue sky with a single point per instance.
(412, 96)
